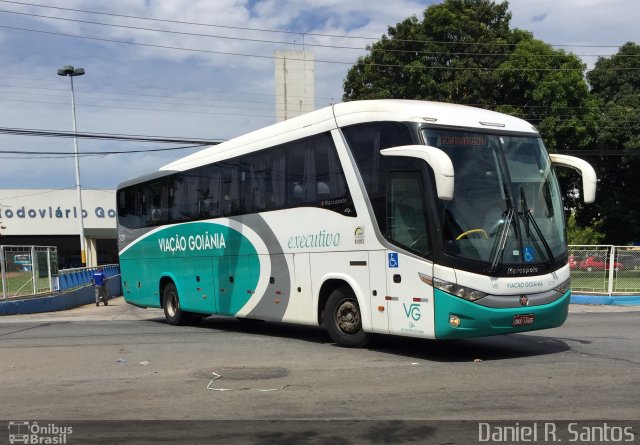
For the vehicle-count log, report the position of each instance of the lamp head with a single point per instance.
(69, 70)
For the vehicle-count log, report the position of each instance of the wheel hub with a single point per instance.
(348, 317)
(172, 304)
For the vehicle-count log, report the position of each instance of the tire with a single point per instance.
(171, 303)
(343, 320)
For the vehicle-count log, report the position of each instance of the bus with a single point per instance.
(23, 262)
(400, 217)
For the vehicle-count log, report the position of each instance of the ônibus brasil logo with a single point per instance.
(33, 433)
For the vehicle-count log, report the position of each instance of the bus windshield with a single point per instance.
(507, 207)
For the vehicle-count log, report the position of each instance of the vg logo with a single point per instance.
(412, 311)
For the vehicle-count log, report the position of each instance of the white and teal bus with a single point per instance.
(386, 216)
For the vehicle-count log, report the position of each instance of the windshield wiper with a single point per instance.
(528, 218)
(501, 241)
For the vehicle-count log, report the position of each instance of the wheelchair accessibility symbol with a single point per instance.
(528, 254)
(393, 260)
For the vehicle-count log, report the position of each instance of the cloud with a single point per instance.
(146, 90)
(603, 25)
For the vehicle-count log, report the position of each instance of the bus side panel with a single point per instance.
(215, 267)
(132, 275)
(378, 276)
(191, 276)
(272, 298)
(194, 281)
(301, 308)
(351, 267)
(140, 289)
(237, 277)
(410, 304)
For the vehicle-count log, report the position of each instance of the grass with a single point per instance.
(21, 284)
(598, 281)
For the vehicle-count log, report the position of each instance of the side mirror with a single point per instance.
(585, 169)
(437, 159)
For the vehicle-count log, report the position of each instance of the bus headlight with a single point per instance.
(459, 291)
(564, 287)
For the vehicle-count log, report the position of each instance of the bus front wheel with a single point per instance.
(343, 320)
(171, 302)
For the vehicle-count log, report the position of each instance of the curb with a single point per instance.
(57, 302)
(624, 300)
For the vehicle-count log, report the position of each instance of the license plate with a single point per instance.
(522, 320)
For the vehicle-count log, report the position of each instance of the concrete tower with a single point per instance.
(295, 84)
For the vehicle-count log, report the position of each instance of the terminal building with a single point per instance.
(32, 217)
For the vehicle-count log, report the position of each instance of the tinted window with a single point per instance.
(365, 142)
(301, 173)
(407, 215)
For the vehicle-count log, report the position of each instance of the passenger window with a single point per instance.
(315, 174)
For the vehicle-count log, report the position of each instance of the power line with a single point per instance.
(262, 56)
(172, 110)
(600, 152)
(39, 193)
(183, 104)
(163, 96)
(110, 14)
(243, 28)
(107, 136)
(203, 101)
(527, 108)
(313, 45)
(62, 154)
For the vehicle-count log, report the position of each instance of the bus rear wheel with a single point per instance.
(343, 320)
(171, 302)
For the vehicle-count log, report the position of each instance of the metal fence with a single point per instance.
(82, 276)
(28, 270)
(606, 270)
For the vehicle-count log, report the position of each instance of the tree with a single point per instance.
(615, 83)
(464, 51)
(589, 235)
(449, 56)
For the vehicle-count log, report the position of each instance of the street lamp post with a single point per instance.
(70, 71)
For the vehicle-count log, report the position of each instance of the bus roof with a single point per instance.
(349, 113)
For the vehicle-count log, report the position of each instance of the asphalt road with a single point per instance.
(121, 362)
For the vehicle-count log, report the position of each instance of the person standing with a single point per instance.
(99, 281)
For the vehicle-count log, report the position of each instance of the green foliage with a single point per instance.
(464, 51)
(585, 235)
(449, 56)
(615, 83)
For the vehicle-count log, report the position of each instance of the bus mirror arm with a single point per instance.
(437, 159)
(585, 169)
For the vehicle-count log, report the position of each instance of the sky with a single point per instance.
(210, 82)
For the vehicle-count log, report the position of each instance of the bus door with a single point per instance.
(409, 298)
